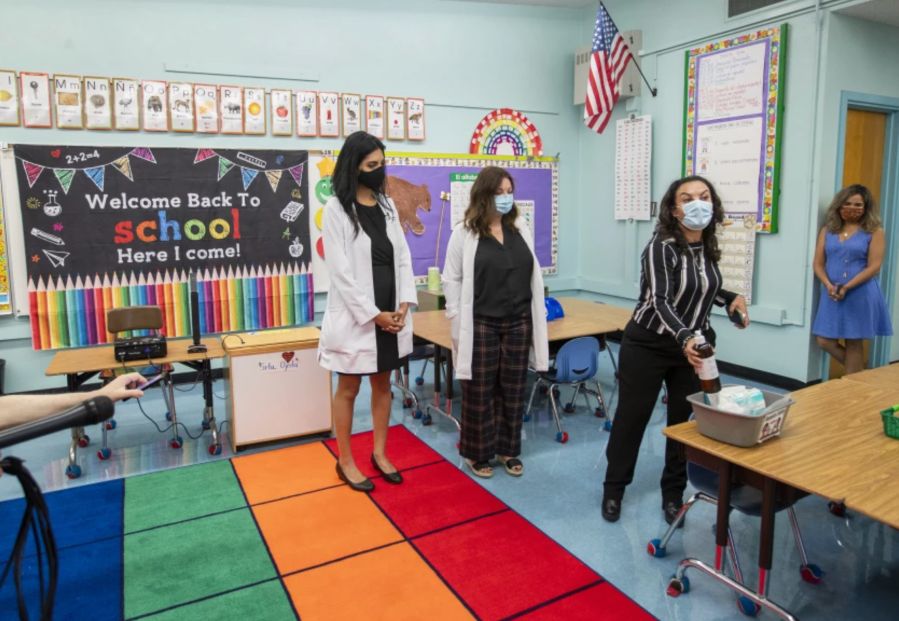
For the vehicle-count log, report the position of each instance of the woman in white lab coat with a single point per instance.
(494, 297)
(366, 329)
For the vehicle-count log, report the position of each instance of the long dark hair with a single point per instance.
(669, 226)
(345, 180)
(869, 223)
(481, 209)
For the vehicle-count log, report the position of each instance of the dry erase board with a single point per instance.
(733, 117)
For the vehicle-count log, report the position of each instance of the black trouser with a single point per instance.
(645, 360)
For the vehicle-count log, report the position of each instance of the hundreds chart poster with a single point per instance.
(108, 227)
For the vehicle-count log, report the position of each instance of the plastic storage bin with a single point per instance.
(741, 429)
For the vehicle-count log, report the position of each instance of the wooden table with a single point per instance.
(582, 318)
(80, 365)
(832, 445)
(883, 376)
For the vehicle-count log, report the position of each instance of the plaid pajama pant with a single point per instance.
(493, 399)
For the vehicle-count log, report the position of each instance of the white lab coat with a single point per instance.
(347, 343)
(458, 287)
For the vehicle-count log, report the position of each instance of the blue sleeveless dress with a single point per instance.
(863, 312)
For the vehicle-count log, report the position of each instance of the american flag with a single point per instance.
(607, 63)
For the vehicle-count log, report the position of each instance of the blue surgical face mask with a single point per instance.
(697, 215)
(504, 203)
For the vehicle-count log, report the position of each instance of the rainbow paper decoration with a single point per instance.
(72, 313)
(506, 132)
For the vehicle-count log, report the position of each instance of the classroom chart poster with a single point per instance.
(68, 101)
(154, 96)
(329, 115)
(282, 112)
(231, 98)
(351, 111)
(733, 121)
(307, 113)
(374, 116)
(181, 106)
(123, 226)
(97, 104)
(34, 89)
(633, 165)
(254, 111)
(126, 104)
(396, 118)
(415, 109)
(736, 239)
(206, 108)
(9, 98)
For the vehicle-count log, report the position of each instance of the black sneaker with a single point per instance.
(611, 509)
(672, 508)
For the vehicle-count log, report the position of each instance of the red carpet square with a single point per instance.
(600, 603)
(434, 497)
(480, 560)
(403, 448)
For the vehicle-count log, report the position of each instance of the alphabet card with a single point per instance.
(282, 112)
(307, 113)
(9, 98)
(396, 118)
(35, 90)
(351, 105)
(155, 105)
(181, 106)
(97, 106)
(254, 110)
(231, 98)
(329, 124)
(69, 112)
(374, 116)
(126, 104)
(206, 108)
(416, 121)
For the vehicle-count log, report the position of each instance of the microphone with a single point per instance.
(92, 412)
(197, 347)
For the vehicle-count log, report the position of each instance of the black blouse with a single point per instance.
(502, 276)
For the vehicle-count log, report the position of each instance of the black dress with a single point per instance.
(374, 223)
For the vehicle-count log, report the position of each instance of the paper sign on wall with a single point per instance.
(231, 98)
(633, 165)
(307, 113)
(207, 108)
(126, 104)
(181, 106)
(374, 116)
(352, 113)
(282, 112)
(97, 104)
(416, 120)
(329, 110)
(155, 105)
(69, 113)
(736, 239)
(254, 110)
(396, 118)
(9, 98)
(35, 92)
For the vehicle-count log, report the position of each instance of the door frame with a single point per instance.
(879, 351)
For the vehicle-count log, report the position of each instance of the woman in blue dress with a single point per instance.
(847, 260)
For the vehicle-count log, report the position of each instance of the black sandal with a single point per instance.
(509, 464)
(481, 469)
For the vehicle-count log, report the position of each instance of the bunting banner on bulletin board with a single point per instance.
(5, 301)
(109, 227)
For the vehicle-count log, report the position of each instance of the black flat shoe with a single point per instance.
(393, 477)
(672, 508)
(611, 510)
(364, 486)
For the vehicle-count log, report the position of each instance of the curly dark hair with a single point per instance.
(669, 226)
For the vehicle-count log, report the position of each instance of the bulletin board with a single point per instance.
(733, 118)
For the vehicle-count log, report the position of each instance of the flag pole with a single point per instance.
(652, 90)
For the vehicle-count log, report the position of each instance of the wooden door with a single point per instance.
(862, 163)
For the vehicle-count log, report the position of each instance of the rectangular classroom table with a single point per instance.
(832, 446)
(80, 365)
(582, 318)
(883, 376)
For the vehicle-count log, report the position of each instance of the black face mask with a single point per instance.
(373, 179)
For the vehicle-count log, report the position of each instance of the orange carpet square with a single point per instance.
(449, 495)
(308, 530)
(602, 602)
(391, 584)
(477, 560)
(404, 449)
(286, 472)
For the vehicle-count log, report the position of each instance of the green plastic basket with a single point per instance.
(890, 423)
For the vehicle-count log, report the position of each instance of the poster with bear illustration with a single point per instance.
(154, 95)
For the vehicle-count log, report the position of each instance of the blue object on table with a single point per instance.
(553, 309)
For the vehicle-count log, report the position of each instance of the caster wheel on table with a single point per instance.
(747, 606)
(73, 471)
(811, 573)
(206, 425)
(607, 425)
(458, 445)
(617, 375)
(527, 418)
(426, 420)
(417, 414)
(215, 449)
(110, 425)
(177, 443)
(104, 454)
(83, 441)
(665, 400)
(600, 413)
(562, 437)
(419, 381)
(837, 508)
(655, 548)
(544, 390)
(678, 587)
(407, 403)
(569, 408)
(168, 416)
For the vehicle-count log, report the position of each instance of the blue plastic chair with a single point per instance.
(746, 500)
(576, 365)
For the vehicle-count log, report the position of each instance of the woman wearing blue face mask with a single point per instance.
(679, 283)
(494, 297)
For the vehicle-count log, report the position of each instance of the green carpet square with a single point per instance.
(263, 602)
(181, 494)
(185, 562)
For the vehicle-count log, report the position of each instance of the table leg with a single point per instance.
(73, 470)
(724, 486)
(438, 368)
(177, 441)
(209, 413)
(410, 400)
(766, 544)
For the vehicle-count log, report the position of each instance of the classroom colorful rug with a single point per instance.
(276, 536)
